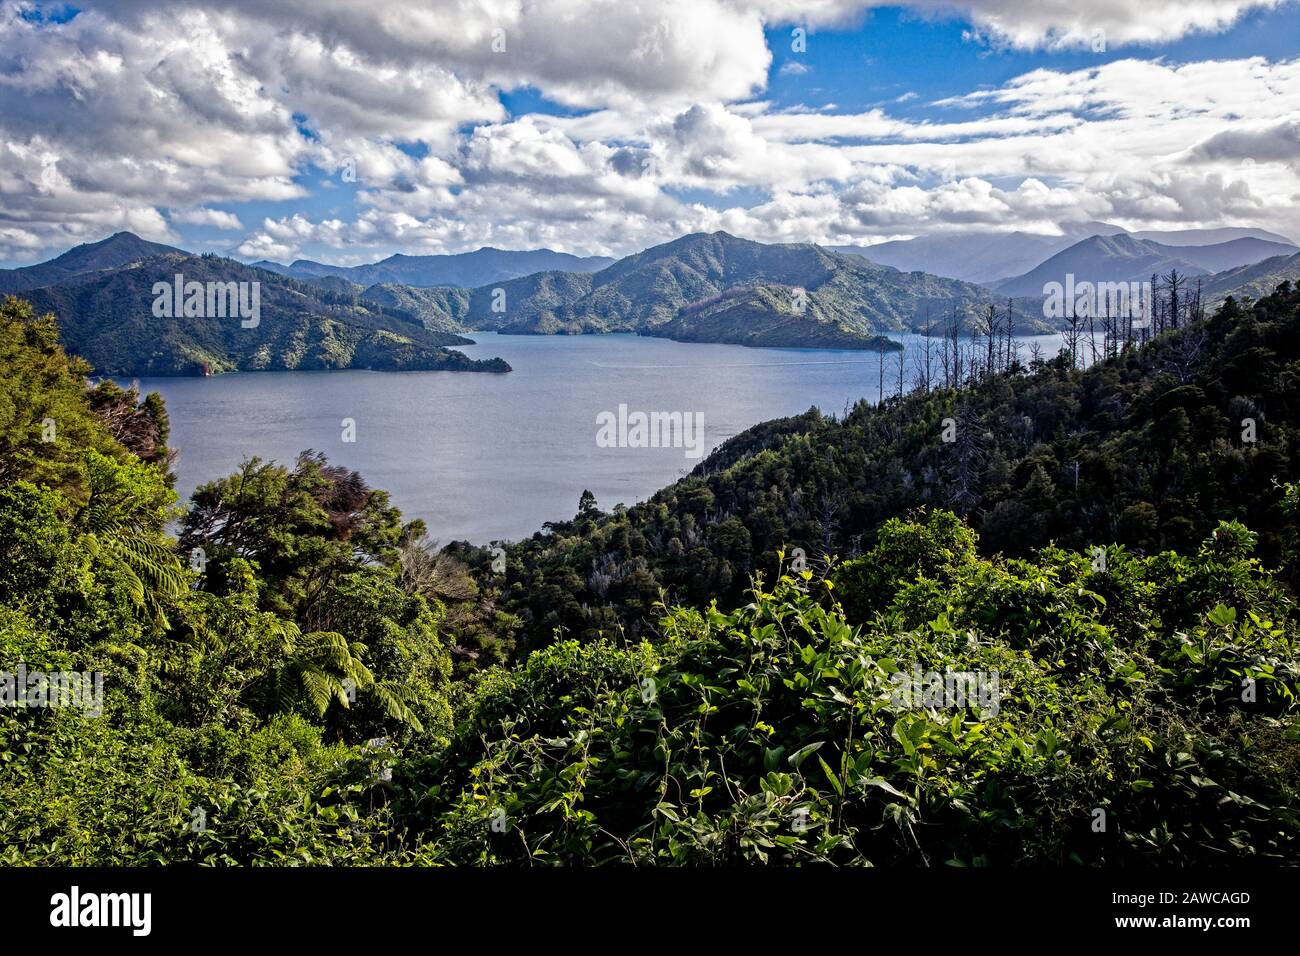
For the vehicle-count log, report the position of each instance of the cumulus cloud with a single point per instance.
(1278, 142)
(670, 50)
(143, 115)
(216, 218)
(1042, 23)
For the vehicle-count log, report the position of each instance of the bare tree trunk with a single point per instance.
(880, 391)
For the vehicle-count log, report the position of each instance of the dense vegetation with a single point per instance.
(300, 678)
(774, 733)
(1150, 449)
(224, 689)
(768, 315)
(1256, 280)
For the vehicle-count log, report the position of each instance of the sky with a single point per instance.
(345, 132)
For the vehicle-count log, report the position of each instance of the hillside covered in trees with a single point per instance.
(645, 292)
(1149, 448)
(105, 297)
(1109, 554)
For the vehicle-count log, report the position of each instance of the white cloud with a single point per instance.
(1042, 23)
(216, 218)
(137, 107)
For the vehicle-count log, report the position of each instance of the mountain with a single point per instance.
(647, 290)
(1255, 280)
(1118, 258)
(1228, 255)
(1125, 258)
(117, 250)
(1206, 237)
(463, 270)
(990, 257)
(972, 257)
(440, 309)
(767, 315)
(109, 318)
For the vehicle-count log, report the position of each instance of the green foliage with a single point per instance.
(776, 734)
(221, 686)
(303, 679)
(45, 422)
(1144, 450)
(904, 552)
(768, 315)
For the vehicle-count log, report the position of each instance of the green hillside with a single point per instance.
(301, 679)
(642, 292)
(770, 315)
(1255, 280)
(108, 317)
(1144, 449)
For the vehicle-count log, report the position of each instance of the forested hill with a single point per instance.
(1145, 449)
(643, 292)
(107, 317)
(281, 685)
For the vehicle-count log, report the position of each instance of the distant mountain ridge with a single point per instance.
(1231, 254)
(1207, 237)
(460, 270)
(1124, 258)
(990, 257)
(980, 257)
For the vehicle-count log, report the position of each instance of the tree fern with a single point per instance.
(121, 522)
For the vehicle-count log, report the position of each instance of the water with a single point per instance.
(491, 457)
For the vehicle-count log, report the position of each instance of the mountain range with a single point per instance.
(991, 257)
(467, 269)
(103, 294)
(703, 287)
(979, 257)
(828, 296)
(1123, 258)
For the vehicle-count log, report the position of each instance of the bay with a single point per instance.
(485, 457)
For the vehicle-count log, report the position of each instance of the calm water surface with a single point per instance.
(490, 457)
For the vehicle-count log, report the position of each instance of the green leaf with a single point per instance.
(830, 775)
(800, 755)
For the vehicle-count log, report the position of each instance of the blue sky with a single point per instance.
(895, 52)
(602, 149)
